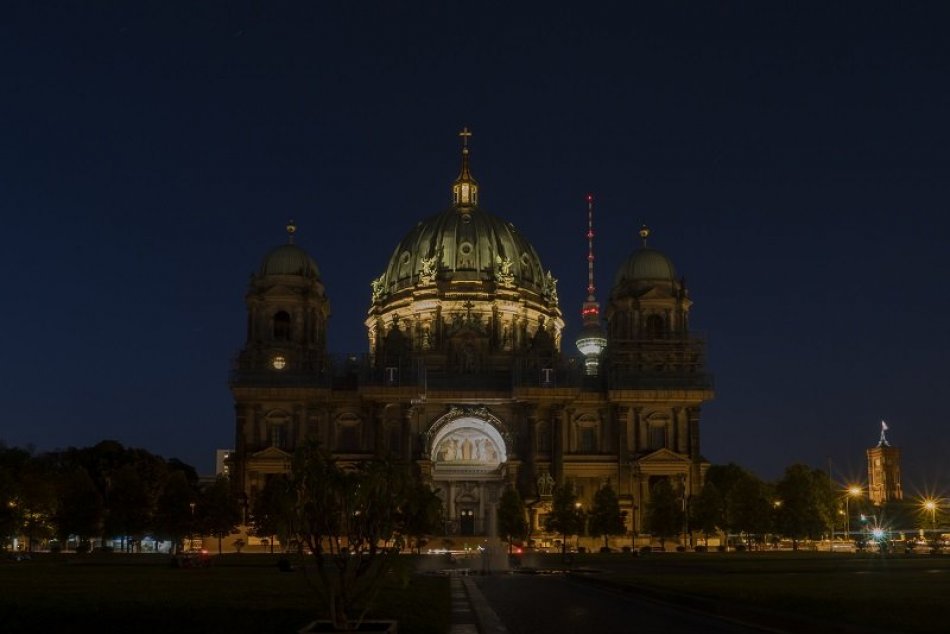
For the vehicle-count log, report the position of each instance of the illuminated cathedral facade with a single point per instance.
(467, 375)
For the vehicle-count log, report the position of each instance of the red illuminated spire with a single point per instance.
(592, 340)
(591, 309)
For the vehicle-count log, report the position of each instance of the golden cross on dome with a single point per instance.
(465, 133)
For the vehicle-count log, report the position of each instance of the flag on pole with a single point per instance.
(883, 426)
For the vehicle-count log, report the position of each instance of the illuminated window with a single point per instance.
(279, 362)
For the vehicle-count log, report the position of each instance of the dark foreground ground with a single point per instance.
(782, 592)
(144, 594)
(785, 591)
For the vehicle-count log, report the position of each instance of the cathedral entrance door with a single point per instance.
(467, 523)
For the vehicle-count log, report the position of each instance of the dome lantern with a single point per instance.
(465, 187)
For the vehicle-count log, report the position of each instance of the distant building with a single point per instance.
(465, 376)
(222, 462)
(884, 471)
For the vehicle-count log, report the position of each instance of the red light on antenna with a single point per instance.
(590, 198)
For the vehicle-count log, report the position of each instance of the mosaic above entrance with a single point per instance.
(467, 438)
(467, 446)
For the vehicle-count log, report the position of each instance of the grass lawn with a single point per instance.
(892, 593)
(142, 593)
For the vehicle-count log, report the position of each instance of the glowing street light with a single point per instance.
(853, 491)
(931, 505)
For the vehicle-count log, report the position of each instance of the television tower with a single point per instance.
(592, 340)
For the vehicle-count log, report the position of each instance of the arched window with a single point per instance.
(282, 326)
(278, 436)
(655, 329)
(348, 433)
(544, 437)
(658, 435)
(394, 431)
(587, 436)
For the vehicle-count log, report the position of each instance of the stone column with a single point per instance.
(406, 440)
(450, 504)
(682, 422)
(557, 440)
(674, 428)
(693, 425)
(641, 429)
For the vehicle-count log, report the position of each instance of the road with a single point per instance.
(553, 604)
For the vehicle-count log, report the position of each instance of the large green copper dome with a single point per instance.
(464, 245)
(464, 277)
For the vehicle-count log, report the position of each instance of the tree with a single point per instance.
(219, 512)
(566, 517)
(511, 516)
(80, 509)
(37, 500)
(12, 465)
(706, 510)
(664, 512)
(807, 503)
(751, 506)
(127, 505)
(174, 519)
(422, 512)
(345, 516)
(272, 509)
(605, 518)
(744, 500)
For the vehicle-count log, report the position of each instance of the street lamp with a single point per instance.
(931, 505)
(853, 491)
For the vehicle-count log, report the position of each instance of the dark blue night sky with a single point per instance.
(791, 158)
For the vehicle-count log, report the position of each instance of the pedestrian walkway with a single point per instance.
(463, 618)
(471, 613)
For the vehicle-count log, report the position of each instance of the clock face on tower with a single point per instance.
(279, 362)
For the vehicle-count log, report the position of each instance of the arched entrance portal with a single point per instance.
(469, 450)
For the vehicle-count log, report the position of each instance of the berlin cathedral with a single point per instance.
(467, 374)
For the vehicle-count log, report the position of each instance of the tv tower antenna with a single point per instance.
(592, 340)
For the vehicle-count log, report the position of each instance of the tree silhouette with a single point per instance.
(219, 512)
(605, 518)
(664, 512)
(511, 516)
(565, 518)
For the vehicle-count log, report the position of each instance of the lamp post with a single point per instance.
(853, 491)
(931, 506)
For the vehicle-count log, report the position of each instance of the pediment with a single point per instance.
(271, 453)
(663, 457)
